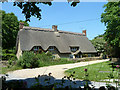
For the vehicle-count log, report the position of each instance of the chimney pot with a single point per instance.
(21, 24)
(54, 27)
(84, 32)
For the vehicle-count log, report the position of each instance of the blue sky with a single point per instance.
(86, 15)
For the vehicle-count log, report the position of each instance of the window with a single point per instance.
(36, 48)
(73, 49)
(51, 48)
(71, 56)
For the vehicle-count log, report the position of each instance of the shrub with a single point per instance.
(44, 56)
(44, 59)
(12, 61)
(8, 54)
(28, 60)
(32, 60)
(84, 55)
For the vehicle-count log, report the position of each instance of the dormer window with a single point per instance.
(73, 49)
(51, 48)
(36, 48)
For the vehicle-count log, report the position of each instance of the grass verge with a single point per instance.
(96, 72)
(7, 69)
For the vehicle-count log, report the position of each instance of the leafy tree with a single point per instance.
(31, 8)
(99, 43)
(111, 18)
(10, 28)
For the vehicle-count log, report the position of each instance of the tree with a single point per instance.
(31, 8)
(111, 19)
(10, 28)
(25, 23)
(99, 43)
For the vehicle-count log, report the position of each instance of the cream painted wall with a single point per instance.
(19, 51)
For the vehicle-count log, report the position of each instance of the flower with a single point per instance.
(117, 66)
(85, 70)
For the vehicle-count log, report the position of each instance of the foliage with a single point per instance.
(8, 54)
(28, 60)
(99, 43)
(25, 23)
(44, 57)
(46, 61)
(32, 60)
(10, 28)
(111, 18)
(51, 61)
(32, 9)
(97, 72)
(12, 61)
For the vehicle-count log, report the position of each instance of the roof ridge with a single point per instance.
(50, 30)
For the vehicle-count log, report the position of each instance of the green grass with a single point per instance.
(7, 69)
(93, 71)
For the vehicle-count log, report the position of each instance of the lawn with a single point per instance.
(96, 72)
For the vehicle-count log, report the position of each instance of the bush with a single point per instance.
(12, 61)
(44, 57)
(84, 55)
(8, 54)
(28, 60)
(32, 60)
(63, 60)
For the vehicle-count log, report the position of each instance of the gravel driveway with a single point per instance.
(56, 70)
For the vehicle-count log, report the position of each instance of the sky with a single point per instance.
(85, 16)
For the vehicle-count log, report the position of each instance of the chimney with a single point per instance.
(84, 32)
(54, 27)
(21, 24)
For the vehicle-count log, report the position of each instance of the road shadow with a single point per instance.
(46, 80)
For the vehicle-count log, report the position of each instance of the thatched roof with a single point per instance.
(30, 37)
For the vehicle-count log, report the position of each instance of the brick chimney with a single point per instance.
(54, 27)
(84, 32)
(21, 24)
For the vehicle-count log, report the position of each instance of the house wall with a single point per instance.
(19, 51)
(57, 54)
(64, 55)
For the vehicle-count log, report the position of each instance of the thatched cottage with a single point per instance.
(60, 43)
